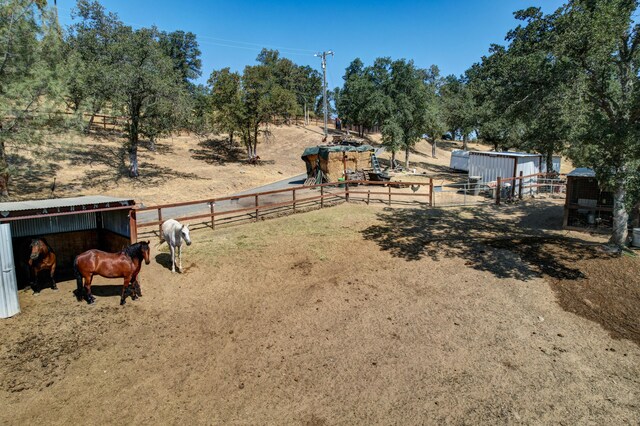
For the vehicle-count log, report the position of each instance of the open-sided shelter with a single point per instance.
(328, 163)
(70, 226)
(586, 205)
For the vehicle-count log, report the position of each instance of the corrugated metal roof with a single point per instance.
(582, 172)
(504, 154)
(53, 203)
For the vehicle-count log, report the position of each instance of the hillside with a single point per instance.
(183, 167)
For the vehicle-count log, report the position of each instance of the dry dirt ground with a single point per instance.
(185, 168)
(347, 315)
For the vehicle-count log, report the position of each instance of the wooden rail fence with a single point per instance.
(254, 206)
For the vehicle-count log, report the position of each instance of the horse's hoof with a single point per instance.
(36, 293)
(54, 288)
(91, 301)
(122, 302)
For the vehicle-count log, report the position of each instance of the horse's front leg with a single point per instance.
(54, 286)
(125, 290)
(173, 258)
(34, 281)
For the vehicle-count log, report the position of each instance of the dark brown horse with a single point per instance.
(42, 258)
(125, 264)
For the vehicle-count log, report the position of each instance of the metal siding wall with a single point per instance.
(9, 304)
(490, 167)
(528, 166)
(53, 224)
(459, 161)
(117, 221)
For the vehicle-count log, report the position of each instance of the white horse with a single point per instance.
(173, 232)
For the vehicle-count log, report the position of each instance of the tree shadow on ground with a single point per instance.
(438, 172)
(31, 176)
(218, 151)
(111, 167)
(502, 240)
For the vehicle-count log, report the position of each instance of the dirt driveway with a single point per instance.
(349, 315)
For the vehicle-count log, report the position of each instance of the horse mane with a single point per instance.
(46, 243)
(134, 251)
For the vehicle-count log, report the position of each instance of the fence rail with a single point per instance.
(247, 207)
(254, 206)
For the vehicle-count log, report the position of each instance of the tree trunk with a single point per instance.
(465, 142)
(133, 148)
(406, 157)
(549, 161)
(433, 148)
(231, 138)
(133, 157)
(393, 159)
(4, 172)
(620, 216)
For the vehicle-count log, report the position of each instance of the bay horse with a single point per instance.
(42, 258)
(125, 264)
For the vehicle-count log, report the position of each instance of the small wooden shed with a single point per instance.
(586, 205)
(70, 226)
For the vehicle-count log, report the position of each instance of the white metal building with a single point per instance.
(490, 165)
(459, 160)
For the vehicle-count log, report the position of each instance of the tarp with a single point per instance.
(324, 150)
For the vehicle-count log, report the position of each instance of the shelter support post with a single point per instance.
(160, 224)
(498, 189)
(346, 191)
(321, 196)
(133, 227)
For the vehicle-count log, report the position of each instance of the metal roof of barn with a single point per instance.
(504, 154)
(582, 172)
(56, 206)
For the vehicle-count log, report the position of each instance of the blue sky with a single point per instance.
(450, 34)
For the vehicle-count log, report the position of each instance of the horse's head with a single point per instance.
(146, 252)
(36, 248)
(184, 231)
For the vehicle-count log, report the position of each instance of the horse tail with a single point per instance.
(80, 289)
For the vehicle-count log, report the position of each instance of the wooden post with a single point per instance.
(257, 207)
(294, 200)
(104, 122)
(160, 224)
(368, 196)
(213, 220)
(520, 187)
(321, 196)
(431, 192)
(133, 227)
(498, 185)
(346, 191)
(389, 186)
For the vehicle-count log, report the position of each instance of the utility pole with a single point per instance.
(323, 56)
